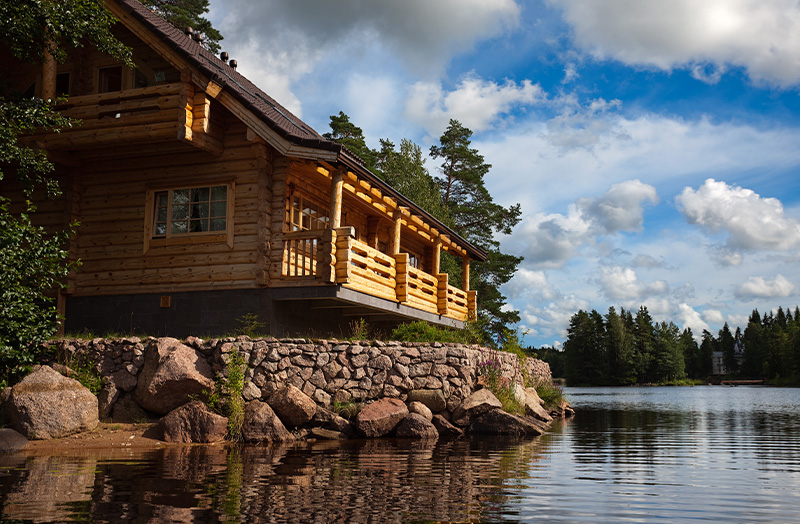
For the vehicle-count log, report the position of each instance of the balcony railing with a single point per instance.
(330, 256)
(149, 114)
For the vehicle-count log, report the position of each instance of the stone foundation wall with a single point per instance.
(326, 370)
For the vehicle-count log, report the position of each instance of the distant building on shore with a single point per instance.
(718, 366)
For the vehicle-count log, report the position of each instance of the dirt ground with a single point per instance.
(106, 435)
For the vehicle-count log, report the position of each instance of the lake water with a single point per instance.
(719, 454)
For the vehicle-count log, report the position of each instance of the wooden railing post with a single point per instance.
(472, 304)
(326, 257)
(441, 292)
(401, 276)
(344, 244)
(394, 243)
(437, 256)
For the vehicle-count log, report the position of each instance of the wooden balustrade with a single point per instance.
(335, 256)
(300, 253)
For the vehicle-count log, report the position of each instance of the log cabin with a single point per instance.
(201, 200)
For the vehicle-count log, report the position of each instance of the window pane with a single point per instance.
(219, 193)
(200, 194)
(217, 224)
(161, 199)
(161, 230)
(200, 210)
(180, 196)
(180, 212)
(180, 227)
(197, 226)
(218, 209)
(161, 214)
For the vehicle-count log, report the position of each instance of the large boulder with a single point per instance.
(498, 422)
(261, 424)
(380, 417)
(294, 407)
(171, 375)
(194, 422)
(475, 405)
(11, 441)
(46, 405)
(432, 398)
(533, 404)
(329, 420)
(444, 427)
(420, 409)
(417, 426)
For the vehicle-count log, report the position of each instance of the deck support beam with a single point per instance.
(337, 182)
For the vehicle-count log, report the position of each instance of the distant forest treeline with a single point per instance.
(622, 349)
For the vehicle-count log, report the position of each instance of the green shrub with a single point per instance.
(348, 409)
(250, 326)
(421, 331)
(226, 397)
(550, 393)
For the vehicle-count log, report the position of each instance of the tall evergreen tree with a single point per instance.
(753, 357)
(344, 132)
(188, 13)
(620, 350)
(727, 343)
(644, 345)
(691, 355)
(477, 218)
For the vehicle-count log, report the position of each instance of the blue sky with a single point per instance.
(654, 146)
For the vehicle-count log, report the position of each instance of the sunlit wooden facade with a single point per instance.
(200, 199)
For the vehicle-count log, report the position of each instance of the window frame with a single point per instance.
(198, 237)
(305, 202)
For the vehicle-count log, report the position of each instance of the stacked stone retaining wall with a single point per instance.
(328, 371)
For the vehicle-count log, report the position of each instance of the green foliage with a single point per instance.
(490, 373)
(550, 393)
(421, 331)
(477, 218)
(33, 263)
(352, 137)
(348, 409)
(359, 329)
(30, 25)
(18, 117)
(188, 13)
(623, 349)
(226, 397)
(250, 325)
(86, 373)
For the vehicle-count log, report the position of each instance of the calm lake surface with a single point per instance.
(719, 454)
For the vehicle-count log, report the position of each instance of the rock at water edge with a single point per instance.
(294, 407)
(261, 424)
(194, 423)
(46, 405)
(417, 426)
(380, 417)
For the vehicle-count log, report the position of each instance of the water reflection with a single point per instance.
(362, 481)
(630, 455)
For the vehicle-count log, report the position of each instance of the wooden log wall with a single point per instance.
(112, 216)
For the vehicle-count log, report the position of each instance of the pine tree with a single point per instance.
(727, 344)
(188, 13)
(344, 132)
(753, 357)
(477, 218)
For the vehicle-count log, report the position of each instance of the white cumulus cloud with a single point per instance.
(689, 318)
(706, 37)
(618, 283)
(621, 207)
(475, 102)
(759, 287)
(752, 222)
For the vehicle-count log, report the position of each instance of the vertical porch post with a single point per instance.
(465, 273)
(394, 244)
(437, 256)
(337, 182)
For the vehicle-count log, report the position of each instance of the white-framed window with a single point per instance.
(190, 214)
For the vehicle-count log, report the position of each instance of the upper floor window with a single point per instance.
(190, 215)
(110, 79)
(305, 215)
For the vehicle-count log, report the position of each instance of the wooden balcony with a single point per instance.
(326, 256)
(150, 114)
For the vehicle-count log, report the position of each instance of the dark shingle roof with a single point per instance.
(268, 109)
